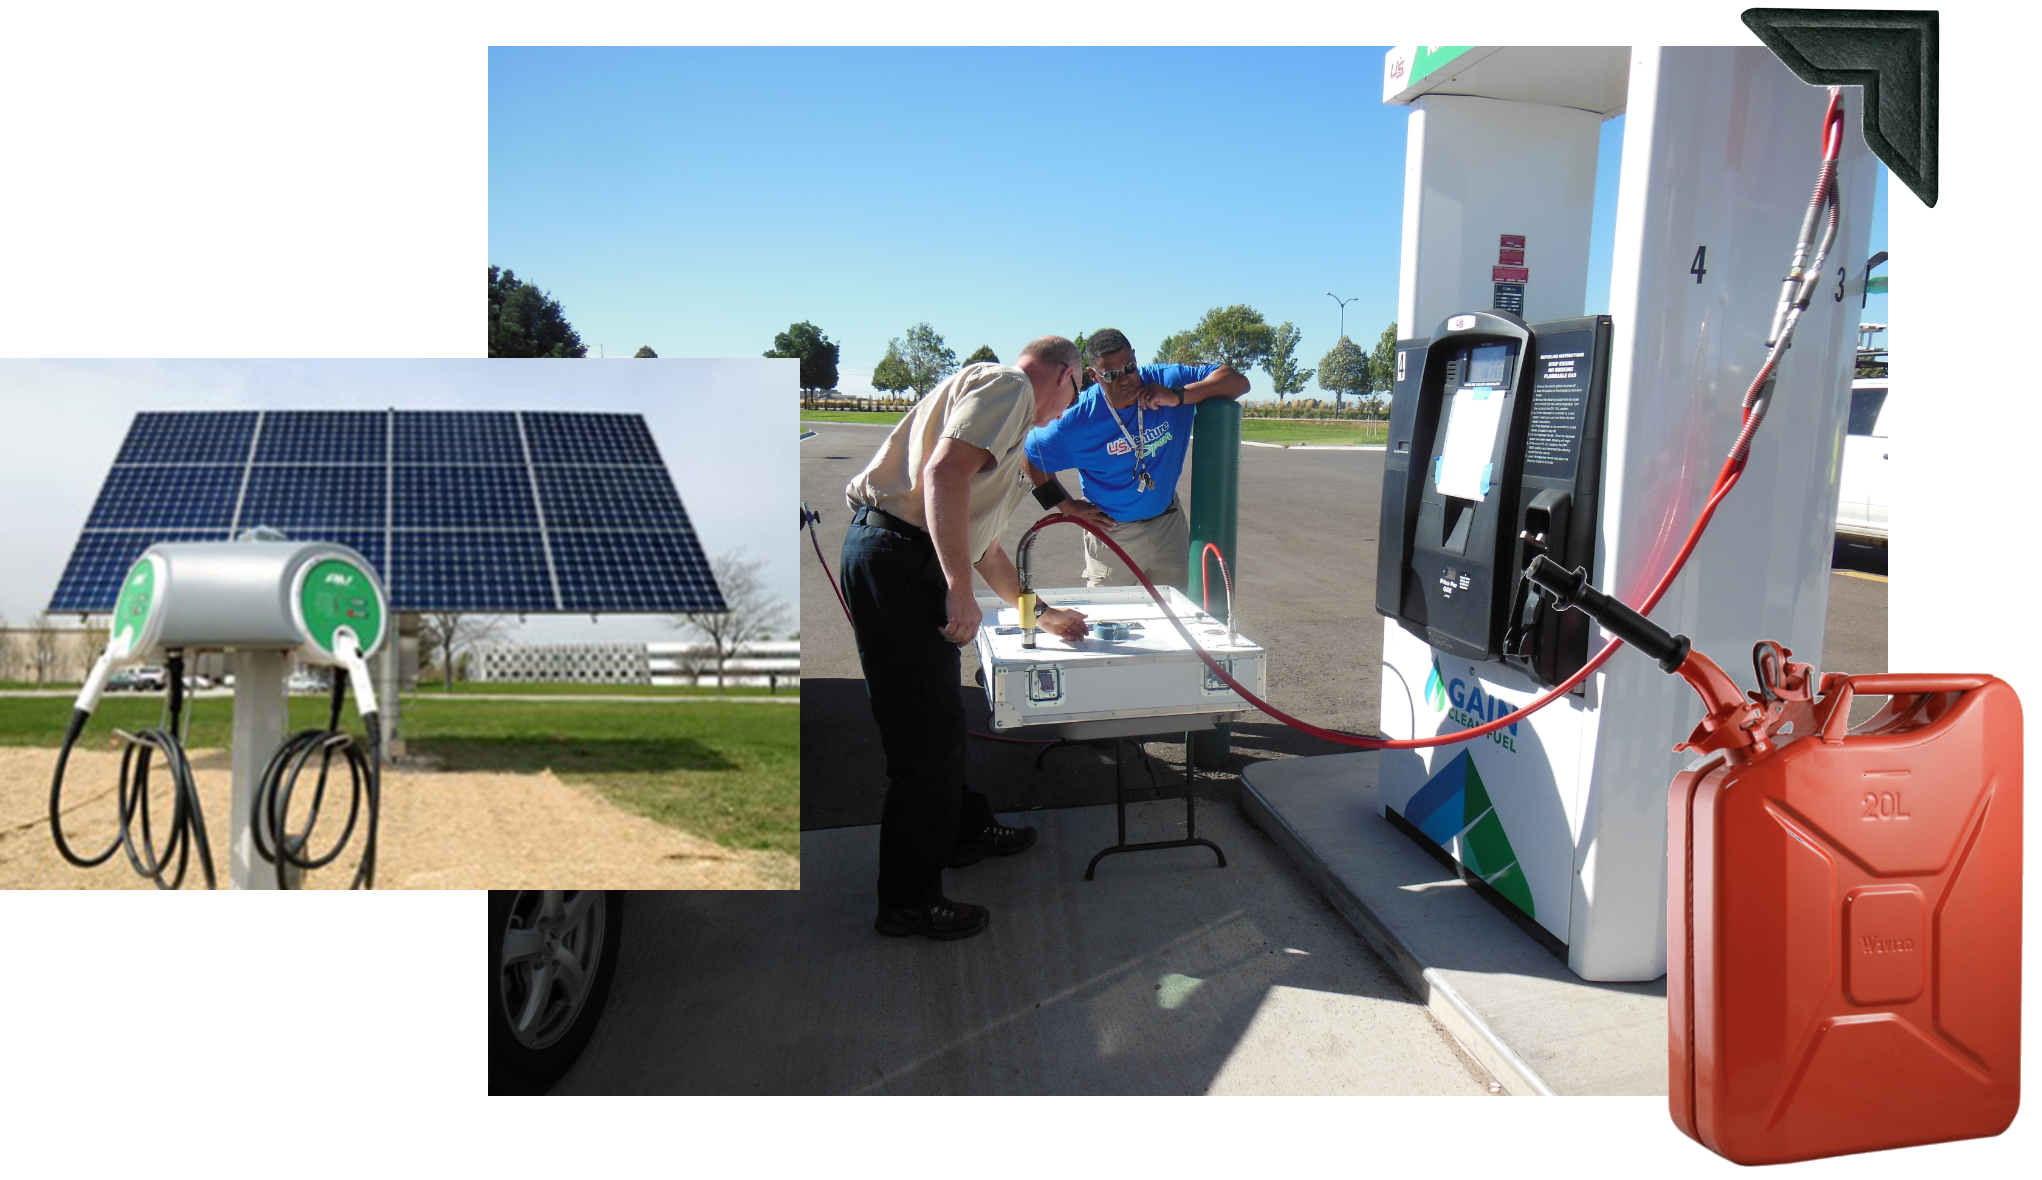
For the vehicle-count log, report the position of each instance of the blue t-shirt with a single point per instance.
(1087, 439)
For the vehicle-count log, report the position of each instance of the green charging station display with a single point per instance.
(337, 594)
(138, 594)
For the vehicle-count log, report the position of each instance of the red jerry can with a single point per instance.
(1844, 921)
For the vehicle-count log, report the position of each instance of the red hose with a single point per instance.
(1726, 479)
(826, 571)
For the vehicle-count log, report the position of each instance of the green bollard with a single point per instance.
(1215, 501)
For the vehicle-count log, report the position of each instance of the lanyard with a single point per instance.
(1143, 481)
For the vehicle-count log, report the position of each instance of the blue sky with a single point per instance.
(699, 199)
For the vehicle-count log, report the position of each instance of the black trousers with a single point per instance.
(895, 588)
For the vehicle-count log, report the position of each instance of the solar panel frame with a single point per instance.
(314, 495)
(324, 436)
(157, 436)
(447, 570)
(494, 511)
(635, 571)
(167, 496)
(558, 437)
(91, 580)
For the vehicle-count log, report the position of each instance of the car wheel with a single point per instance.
(552, 955)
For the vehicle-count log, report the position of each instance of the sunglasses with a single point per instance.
(1108, 376)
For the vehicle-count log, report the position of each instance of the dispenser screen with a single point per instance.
(1488, 364)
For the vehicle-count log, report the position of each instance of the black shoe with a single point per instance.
(994, 841)
(940, 919)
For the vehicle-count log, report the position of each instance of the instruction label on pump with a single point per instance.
(1559, 409)
(1464, 469)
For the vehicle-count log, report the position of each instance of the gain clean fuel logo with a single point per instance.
(1465, 703)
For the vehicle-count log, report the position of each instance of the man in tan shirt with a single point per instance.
(927, 511)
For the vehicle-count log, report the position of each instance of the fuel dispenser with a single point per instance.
(266, 601)
(1494, 457)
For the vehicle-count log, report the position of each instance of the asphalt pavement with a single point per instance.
(1168, 974)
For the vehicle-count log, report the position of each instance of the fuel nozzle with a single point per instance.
(1733, 723)
(1025, 601)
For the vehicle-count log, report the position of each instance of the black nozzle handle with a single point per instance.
(1570, 588)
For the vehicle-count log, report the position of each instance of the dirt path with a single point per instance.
(438, 831)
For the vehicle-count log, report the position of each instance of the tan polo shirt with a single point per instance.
(989, 406)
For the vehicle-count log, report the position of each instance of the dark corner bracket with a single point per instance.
(1891, 54)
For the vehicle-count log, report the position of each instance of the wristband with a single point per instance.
(1051, 494)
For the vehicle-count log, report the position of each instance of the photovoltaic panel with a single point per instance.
(446, 505)
(189, 438)
(639, 568)
(590, 438)
(167, 497)
(324, 436)
(478, 571)
(293, 496)
(464, 497)
(92, 580)
(456, 436)
(585, 497)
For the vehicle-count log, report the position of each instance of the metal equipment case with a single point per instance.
(1845, 958)
(1115, 682)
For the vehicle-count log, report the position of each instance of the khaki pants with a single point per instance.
(1159, 545)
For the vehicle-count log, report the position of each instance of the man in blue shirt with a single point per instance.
(1127, 436)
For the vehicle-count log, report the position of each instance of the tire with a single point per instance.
(537, 941)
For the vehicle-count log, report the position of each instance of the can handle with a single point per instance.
(1887, 684)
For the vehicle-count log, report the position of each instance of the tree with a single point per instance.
(1179, 348)
(749, 615)
(1281, 363)
(45, 648)
(455, 633)
(527, 322)
(891, 374)
(816, 352)
(984, 354)
(1236, 336)
(645, 353)
(1382, 367)
(925, 356)
(1344, 370)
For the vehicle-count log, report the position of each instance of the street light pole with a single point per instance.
(1343, 310)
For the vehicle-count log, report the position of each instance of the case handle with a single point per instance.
(1841, 689)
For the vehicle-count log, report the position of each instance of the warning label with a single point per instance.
(1558, 410)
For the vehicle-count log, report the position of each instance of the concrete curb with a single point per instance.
(1444, 1002)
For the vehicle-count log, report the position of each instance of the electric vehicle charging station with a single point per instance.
(264, 601)
(1566, 816)
(511, 512)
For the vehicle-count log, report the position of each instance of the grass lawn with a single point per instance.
(888, 417)
(1290, 432)
(431, 689)
(727, 771)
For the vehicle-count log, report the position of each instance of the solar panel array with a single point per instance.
(500, 511)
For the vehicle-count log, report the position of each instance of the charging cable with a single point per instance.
(164, 862)
(292, 850)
